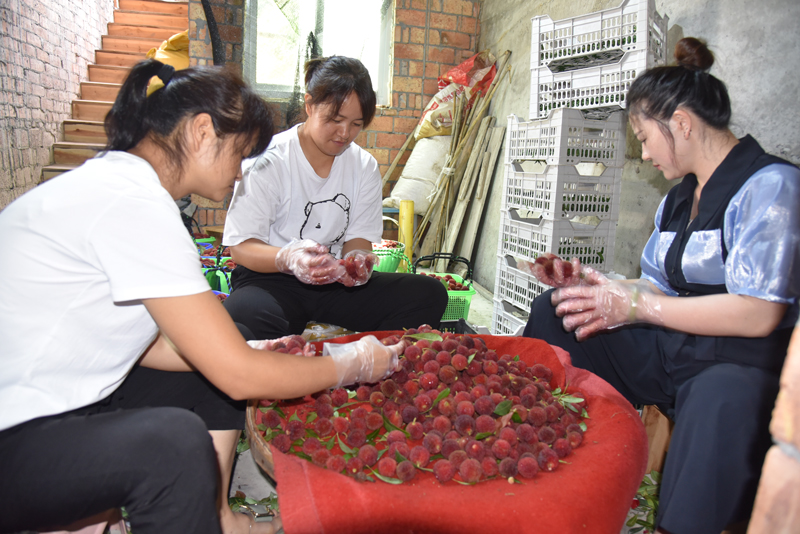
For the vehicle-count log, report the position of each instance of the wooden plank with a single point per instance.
(108, 73)
(159, 20)
(51, 171)
(89, 110)
(155, 6)
(119, 59)
(74, 153)
(469, 231)
(77, 131)
(464, 192)
(132, 30)
(136, 45)
(409, 143)
(98, 91)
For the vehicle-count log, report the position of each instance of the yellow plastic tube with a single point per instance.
(406, 229)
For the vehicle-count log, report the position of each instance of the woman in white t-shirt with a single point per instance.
(308, 202)
(111, 352)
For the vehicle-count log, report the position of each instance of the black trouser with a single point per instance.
(721, 412)
(276, 304)
(146, 447)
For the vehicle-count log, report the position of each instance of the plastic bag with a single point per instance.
(419, 176)
(437, 118)
(174, 51)
(476, 73)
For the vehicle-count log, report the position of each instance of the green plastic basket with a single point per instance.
(390, 257)
(457, 301)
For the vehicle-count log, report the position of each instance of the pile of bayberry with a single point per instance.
(451, 283)
(456, 408)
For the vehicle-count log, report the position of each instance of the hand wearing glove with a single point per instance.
(358, 266)
(551, 270)
(286, 344)
(309, 262)
(588, 309)
(366, 360)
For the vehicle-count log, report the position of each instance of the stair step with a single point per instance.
(155, 6)
(119, 59)
(83, 131)
(75, 153)
(108, 73)
(90, 110)
(136, 45)
(104, 92)
(162, 20)
(131, 30)
(51, 171)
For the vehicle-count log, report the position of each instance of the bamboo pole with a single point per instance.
(396, 160)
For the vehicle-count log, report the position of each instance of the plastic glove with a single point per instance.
(551, 270)
(286, 344)
(358, 266)
(365, 360)
(309, 262)
(588, 309)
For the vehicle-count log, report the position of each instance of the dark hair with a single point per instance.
(234, 109)
(329, 80)
(658, 92)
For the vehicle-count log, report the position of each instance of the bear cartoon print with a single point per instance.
(327, 221)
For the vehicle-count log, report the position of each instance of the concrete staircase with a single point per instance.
(138, 26)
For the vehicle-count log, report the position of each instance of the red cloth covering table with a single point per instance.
(591, 493)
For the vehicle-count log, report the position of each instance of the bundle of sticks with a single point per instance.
(465, 176)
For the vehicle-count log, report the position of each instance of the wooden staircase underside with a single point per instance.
(138, 26)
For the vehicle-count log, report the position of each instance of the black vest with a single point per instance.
(744, 160)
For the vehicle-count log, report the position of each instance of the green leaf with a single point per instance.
(351, 394)
(344, 447)
(389, 426)
(557, 391)
(311, 417)
(635, 530)
(303, 455)
(388, 480)
(516, 418)
(399, 457)
(503, 408)
(263, 409)
(516, 358)
(295, 417)
(374, 434)
(442, 395)
(470, 358)
(277, 409)
(483, 435)
(571, 407)
(631, 521)
(570, 398)
(430, 336)
(242, 446)
(585, 414)
(582, 425)
(262, 427)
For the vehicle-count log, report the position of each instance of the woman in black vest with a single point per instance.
(704, 332)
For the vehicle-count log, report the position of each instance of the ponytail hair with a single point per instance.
(658, 92)
(234, 109)
(329, 80)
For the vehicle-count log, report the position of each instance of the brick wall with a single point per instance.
(431, 36)
(44, 52)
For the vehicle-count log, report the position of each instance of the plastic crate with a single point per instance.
(598, 91)
(566, 137)
(524, 238)
(515, 286)
(560, 192)
(599, 38)
(507, 320)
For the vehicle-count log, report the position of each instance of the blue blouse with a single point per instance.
(762, 236)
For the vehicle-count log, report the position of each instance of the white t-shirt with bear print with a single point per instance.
(281, 198)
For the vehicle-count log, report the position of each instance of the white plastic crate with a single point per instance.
(514, 286)
(507, 319)
(566, 137)
(560, 192)
(600, 37)
(598, 91)
(524, 238)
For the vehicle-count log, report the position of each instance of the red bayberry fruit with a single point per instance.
(489, 466)
(411, 387)
(484, 405)
(282, 442)
(449, 345)
(446, 406)
(443, 358)
(340, 424)
(484, 423)
(474, 368)
(410, 413)
(442, 424)
(406, 471)
(490, 367)
(448, 374)
(548, 460)
(443, 470)
(562, 447)
(395, 436)
(428, 355)
(335, 463)
(374, 421)
(354, 465)
(413, 353)
(465, 408)
(310, 445)
(387, 466)
(272, 419)
(428, 381)
(470, 470)
(541, 371)
(339, 396)
(509, 434)
(449, 446)
(507, 468)
(415, 430)
(295, 430)
(457, 457)
(419, 456)
(432, 442)
(431, 367)
(475, 449)
(320, 456)
(465, 425)
(389, 387)
(423, 403)
(368, 454)
(358, 413)
(398, 447)
(527, 466)
(501, 448)
(356, 438)
(537, 416)
(547, 435)
(574, 439)
(527, 434)
(377, 399)
(459, 362)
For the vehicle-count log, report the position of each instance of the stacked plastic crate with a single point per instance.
(563, 170)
